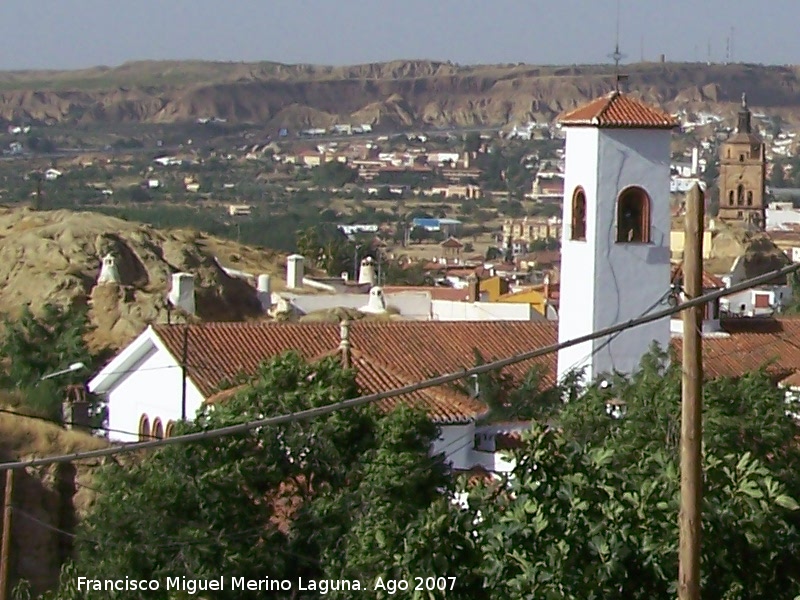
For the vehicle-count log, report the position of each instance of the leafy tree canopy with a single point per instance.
(590, 511)
(35, 345)
(316, 499)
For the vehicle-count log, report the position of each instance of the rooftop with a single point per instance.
(385, 355)
(391, 354)
(710, 282)
(618, 110)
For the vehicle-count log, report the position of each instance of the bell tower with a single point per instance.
(615, 255)
(742, 174)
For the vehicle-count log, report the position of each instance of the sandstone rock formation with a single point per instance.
(56, 257)
(392, 94)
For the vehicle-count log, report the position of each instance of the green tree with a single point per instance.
(305, 499)
(398, 272)
(333, 174)
(776, 177)
(472, 141)
(35, 345)
(419, 234)
(603, 494)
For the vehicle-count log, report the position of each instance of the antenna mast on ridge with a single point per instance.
(617, 56)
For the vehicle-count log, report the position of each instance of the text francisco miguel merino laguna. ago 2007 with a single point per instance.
(264, 584)
(218, 584)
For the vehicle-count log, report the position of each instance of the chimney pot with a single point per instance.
(182, 293)
(264, 291)
(344, 343)
(473, 289)
(294, 271)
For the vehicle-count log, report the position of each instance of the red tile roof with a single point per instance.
(753, 344)
(387, 355)
(441, 403)
(451, 242)
(710, 282)
(618, 110)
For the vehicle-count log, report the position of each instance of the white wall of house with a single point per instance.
(456, 442)
(153, 387)
(412, 305)
(450, 310)
(494, 462)
(778, 219)
(757, 302)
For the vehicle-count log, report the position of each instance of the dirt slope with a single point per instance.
(394, 93)
(56, 256)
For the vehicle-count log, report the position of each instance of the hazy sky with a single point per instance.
(81, 33)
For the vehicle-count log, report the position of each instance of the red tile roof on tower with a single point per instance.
(618, 110)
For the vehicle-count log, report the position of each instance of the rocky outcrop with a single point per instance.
(55, 257)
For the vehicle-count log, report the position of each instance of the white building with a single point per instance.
(615, 253)
(170, 371)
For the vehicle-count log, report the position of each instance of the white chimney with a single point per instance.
(695, 161)
(264, 291)
(294, 271)
(377, 302)
(182, 293)
(108, 270)
(367, 272)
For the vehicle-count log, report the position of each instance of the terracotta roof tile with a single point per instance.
(392, 354)
(710, 281)
(617, 110)
(753, 344)
(386, 355)
(451, 242)
(441, 403)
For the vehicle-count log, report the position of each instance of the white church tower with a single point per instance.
(615, 255)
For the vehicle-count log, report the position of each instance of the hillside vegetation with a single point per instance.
(397, 93)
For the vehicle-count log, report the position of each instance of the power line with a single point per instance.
(72, 423)
(407, 389)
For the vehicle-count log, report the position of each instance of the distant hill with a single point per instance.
(407, 93)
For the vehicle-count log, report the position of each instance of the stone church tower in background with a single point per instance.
(742, 174)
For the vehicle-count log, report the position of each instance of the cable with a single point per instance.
(72, 423)
(611, 338)
(407, 389)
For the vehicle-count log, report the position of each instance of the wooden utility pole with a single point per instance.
(692, 402)
(5, 550)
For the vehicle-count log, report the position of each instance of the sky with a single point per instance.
(69, 34)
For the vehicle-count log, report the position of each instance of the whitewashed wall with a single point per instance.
(449, 310)
(152, 387)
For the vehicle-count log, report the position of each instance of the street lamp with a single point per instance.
(71, 369)
(616, 408)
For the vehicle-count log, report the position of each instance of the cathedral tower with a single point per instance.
(742, 174)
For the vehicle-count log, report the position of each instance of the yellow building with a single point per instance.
(676, 243)
(494, 288)
(531, 229)
(540, 297)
